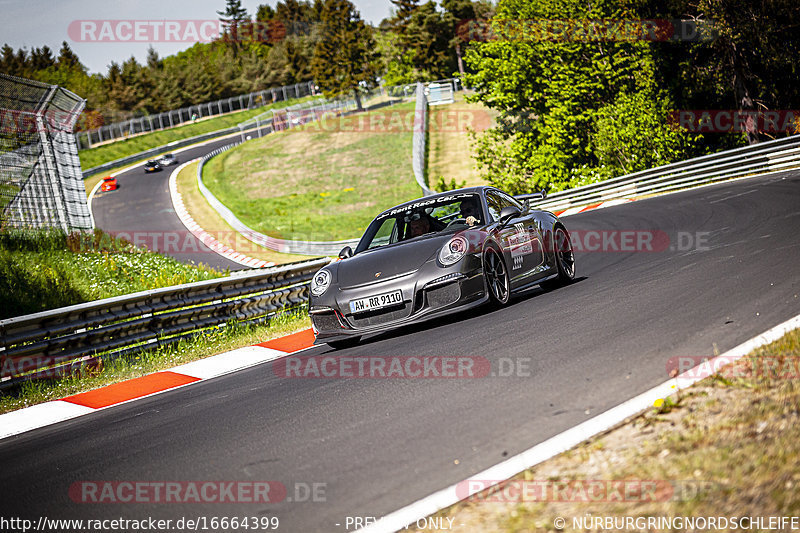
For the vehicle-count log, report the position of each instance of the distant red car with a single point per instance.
(109, 184)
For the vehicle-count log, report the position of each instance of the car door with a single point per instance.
(520, 237)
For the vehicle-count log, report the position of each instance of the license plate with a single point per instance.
(376, 302)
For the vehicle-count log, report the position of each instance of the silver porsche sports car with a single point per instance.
(438, 255)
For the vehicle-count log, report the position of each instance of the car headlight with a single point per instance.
(453, 251)
(320, 282)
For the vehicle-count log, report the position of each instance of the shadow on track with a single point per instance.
(477, 312)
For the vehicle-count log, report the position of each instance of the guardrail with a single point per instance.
(419, 142)
(158, 150)
(757, 159)
(176, 117)
(174, 145)
(271, 243)
(58, 342)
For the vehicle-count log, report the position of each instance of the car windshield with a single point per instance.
(151, 162)
(424, 217)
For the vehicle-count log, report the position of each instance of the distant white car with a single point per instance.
(167, 160)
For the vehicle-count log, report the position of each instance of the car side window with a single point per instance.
(507, 200)
(497, 201)
(386, 233)
(494, 204)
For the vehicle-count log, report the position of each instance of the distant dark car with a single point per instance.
(167, 160)
(438, 255)
(152, 166)
(109, 184)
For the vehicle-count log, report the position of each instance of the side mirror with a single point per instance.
(507, 213)
(346, 252)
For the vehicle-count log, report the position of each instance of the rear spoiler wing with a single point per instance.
(530, 198)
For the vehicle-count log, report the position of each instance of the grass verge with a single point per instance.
(727, 447)
(211, 342)
(324, 181)
(41, 270)
(450, 159)
(213, 223)
(98, 155)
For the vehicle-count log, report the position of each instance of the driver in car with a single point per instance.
(470, 212)
(418, 225)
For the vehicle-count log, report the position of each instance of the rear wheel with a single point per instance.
(497, 280)
(564, 258)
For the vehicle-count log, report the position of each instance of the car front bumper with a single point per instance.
(441, 292)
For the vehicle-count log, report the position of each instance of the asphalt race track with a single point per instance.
(141, 208)
(379, 444)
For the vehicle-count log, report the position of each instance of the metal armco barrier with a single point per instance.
(176, 117)
(157, 151)
(771, 156)
(40, 173)
(419, 142)
(271, 243)
(244, 127)
(54, 343)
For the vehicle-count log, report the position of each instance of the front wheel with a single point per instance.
(497, 280)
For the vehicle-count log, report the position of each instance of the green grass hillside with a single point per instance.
(41, 270)
(324, 181)
(93, 157)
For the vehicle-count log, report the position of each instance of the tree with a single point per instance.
(68, 59)
(345, 59)
(8, 60)
(557, 97)
(234, 19)
(42, 58)
(753, 58)
(459, 15)
(402, 15)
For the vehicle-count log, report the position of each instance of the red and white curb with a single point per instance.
(408, 516)
(55, 411)
(583, 208)
(205, 237)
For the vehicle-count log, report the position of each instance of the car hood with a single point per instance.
(390, 261)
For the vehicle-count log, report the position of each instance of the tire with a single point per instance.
(498, 283)
(564, 258)
(344, 343)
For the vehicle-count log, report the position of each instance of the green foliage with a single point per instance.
(442, 185)
(345, 58)
(634, 133)
(575, 111)
(423, 40)
(551, 95)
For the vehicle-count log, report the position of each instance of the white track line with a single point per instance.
(45, 414)
(564, 441)
(205, 237)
